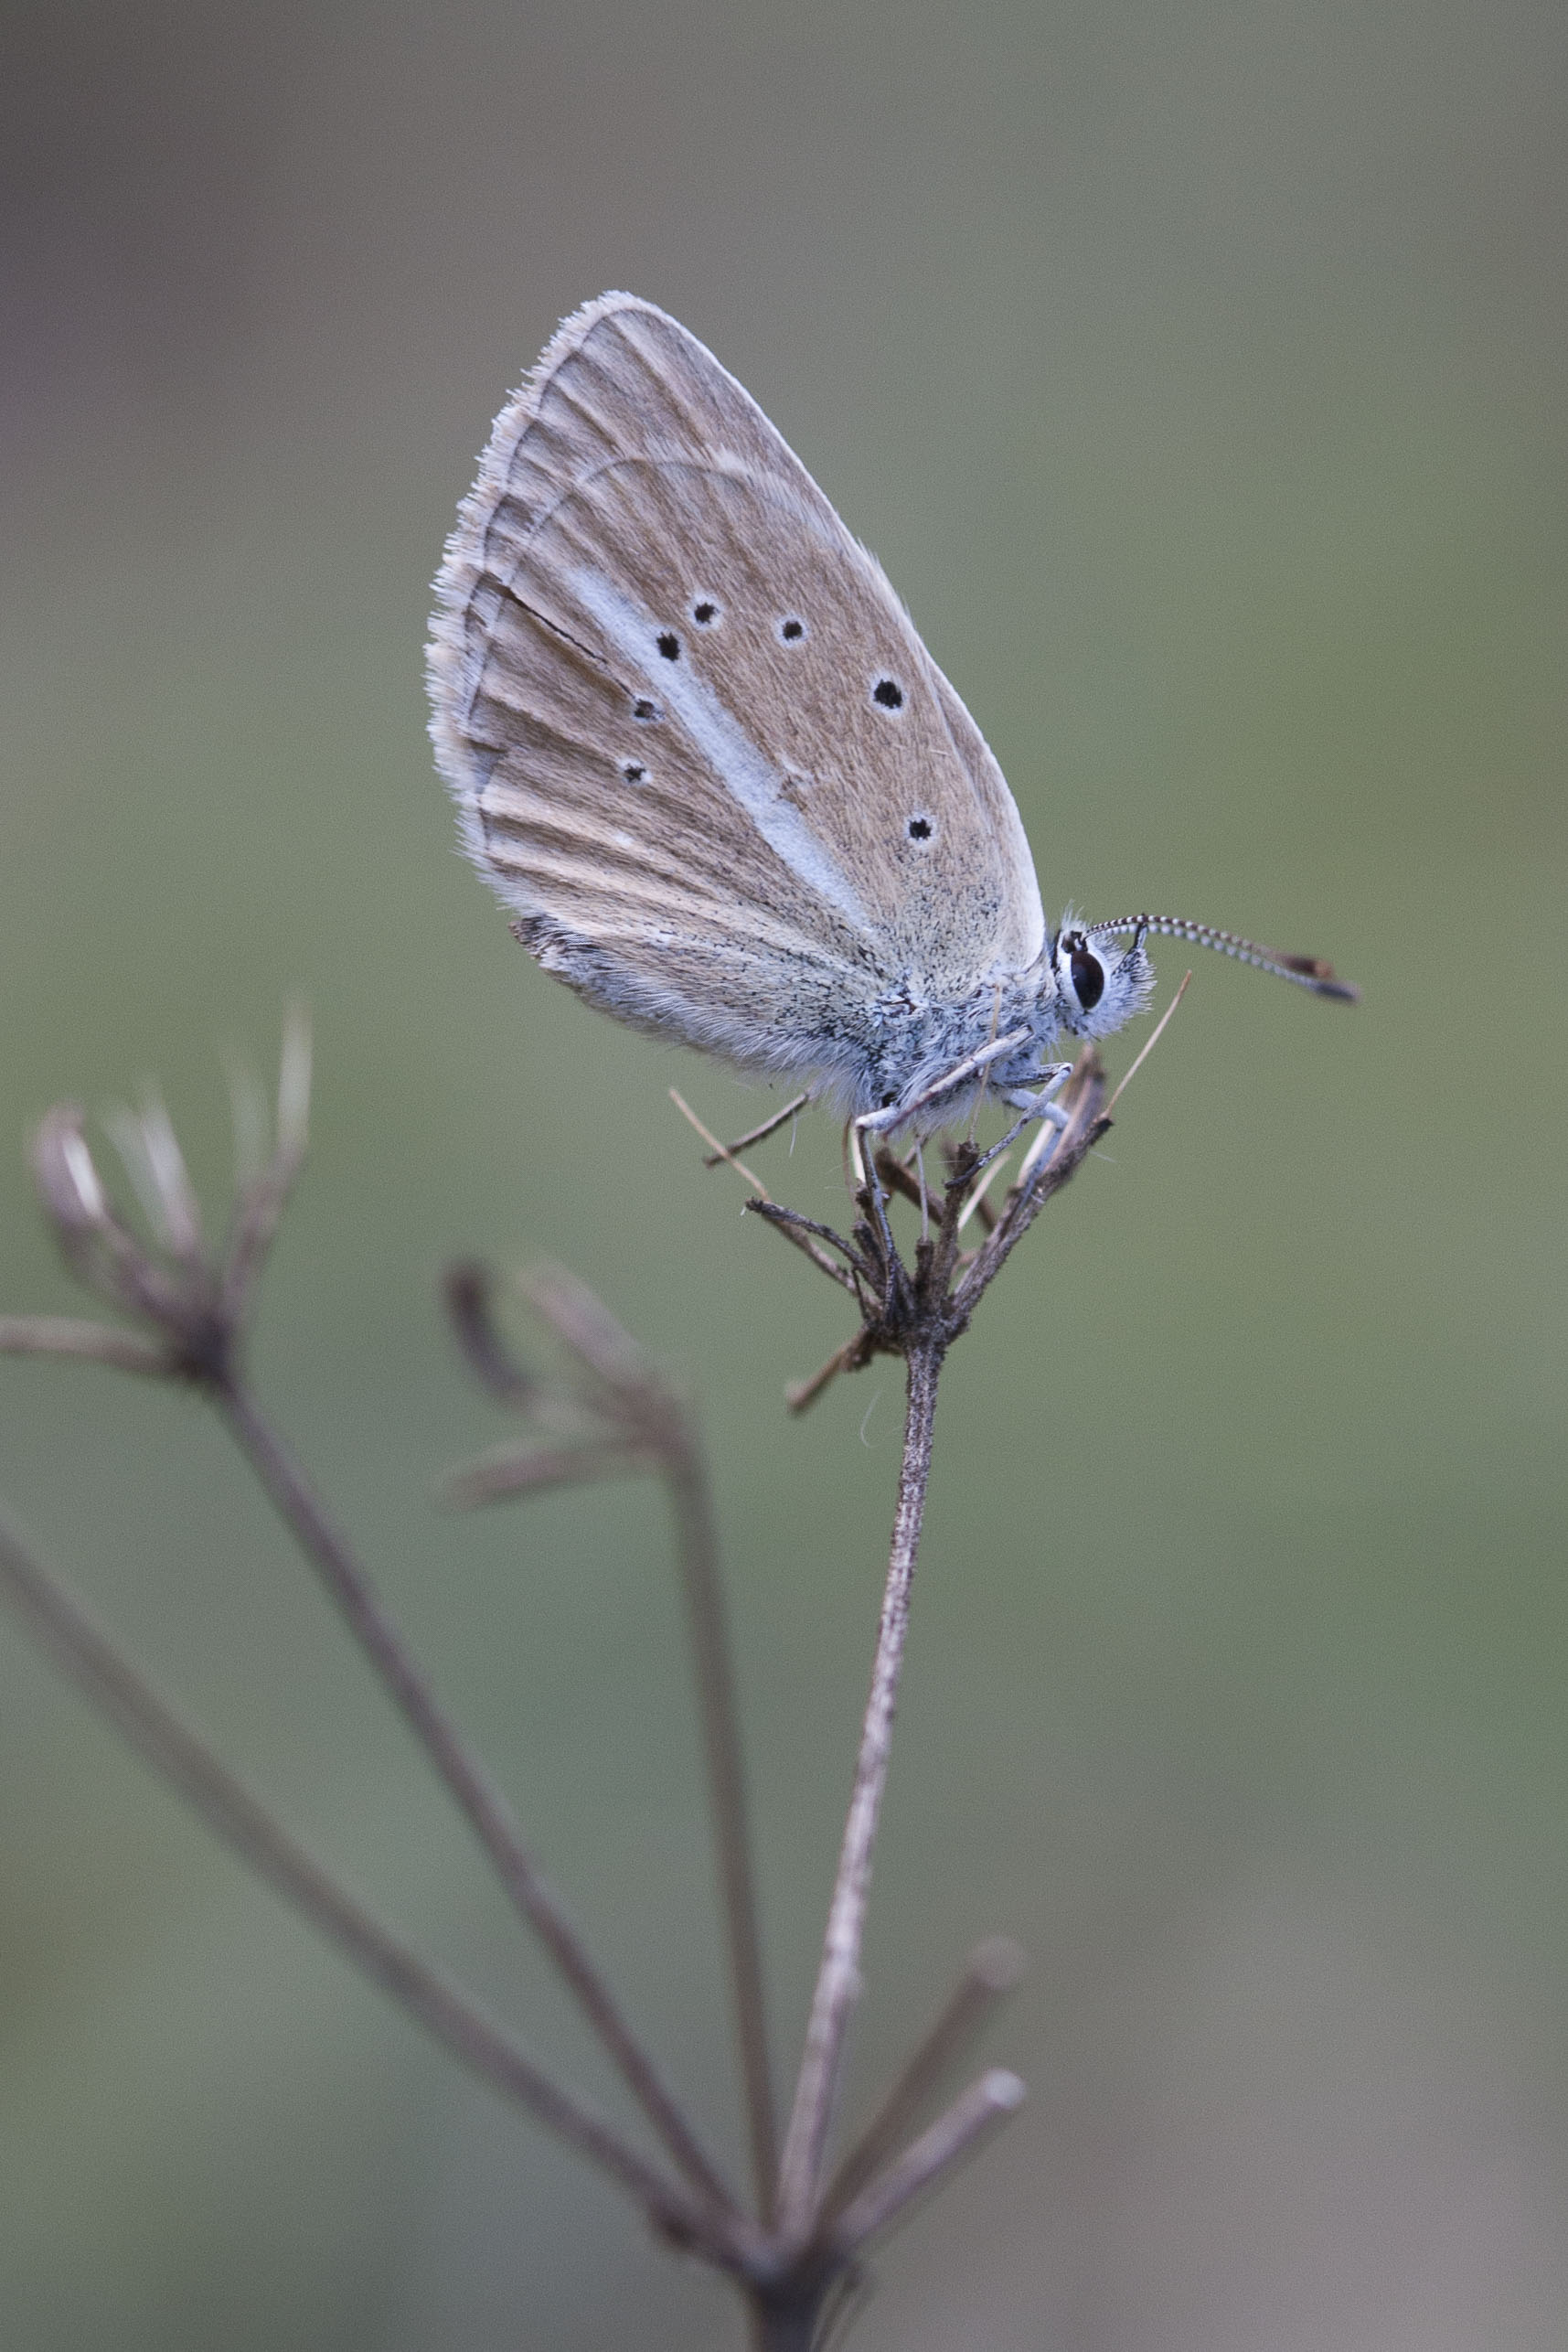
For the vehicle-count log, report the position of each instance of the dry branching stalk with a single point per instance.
(617, 1413)
(905, 1310)
(796, 2254)
(192, 1307)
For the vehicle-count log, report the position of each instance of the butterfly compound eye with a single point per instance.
(1088, 976)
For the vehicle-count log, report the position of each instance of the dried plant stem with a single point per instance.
(994, 1969)
(119, 1693)
(1150, 1041)
(801, 2259)
(976, 2111)
(839, 1977)
(800, 1394)
(477, 1797)
(698, 1549)
(790, 1109)
(1083, 1099)
(796, 1229)
(64, 1335)
(631, 1418)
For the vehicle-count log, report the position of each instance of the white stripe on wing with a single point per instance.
(745, 773)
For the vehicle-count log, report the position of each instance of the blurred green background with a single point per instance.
(1199, 375)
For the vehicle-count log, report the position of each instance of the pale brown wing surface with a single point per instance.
(694, 739)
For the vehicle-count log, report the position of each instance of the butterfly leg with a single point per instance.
(895, 1114)
(1034, 1106)
(1006, 1143)
(1053, 1123)
(1037, 1104)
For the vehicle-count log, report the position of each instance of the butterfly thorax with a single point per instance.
(910, 1046)
(1081, 986)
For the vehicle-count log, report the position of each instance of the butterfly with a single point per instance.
(699, 748)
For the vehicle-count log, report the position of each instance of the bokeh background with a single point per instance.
(1199, 375)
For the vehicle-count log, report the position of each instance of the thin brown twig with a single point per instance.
(977, 1206)
(897, 1178)
(64, 1335)
(466, 1290)
(589, 1328)
(651, 1430)
(800, 1394)
(1156, 1033)
(976, 2111)
(477, 1796)
(793, 1225)
(723, 1153)
(761, 1134)
(511, 1470)
(261, 1203)
(697, 1547)
(602, 1346)
(916, 1314)
(64, 1629)
(992, 1971)
(839, 1977)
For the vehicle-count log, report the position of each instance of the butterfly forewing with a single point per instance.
(694, 738)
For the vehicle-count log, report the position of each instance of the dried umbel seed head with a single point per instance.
(161, 1271)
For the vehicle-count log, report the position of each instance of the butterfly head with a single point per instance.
(1100, 983)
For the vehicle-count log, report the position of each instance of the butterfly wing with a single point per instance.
(693, 737)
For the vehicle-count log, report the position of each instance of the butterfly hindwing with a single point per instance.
(695, 740)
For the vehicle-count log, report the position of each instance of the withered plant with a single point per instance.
(794, 2249)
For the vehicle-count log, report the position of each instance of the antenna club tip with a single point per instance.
(1323, 977)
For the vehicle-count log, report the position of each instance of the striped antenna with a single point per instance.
(1306, 971)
